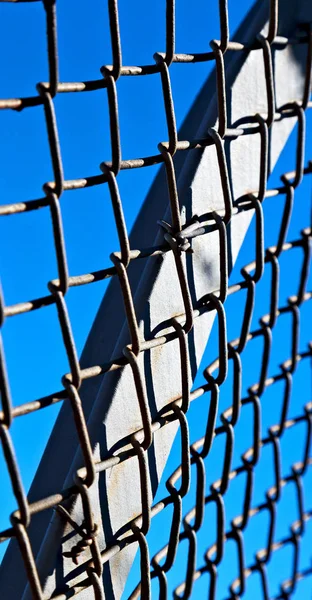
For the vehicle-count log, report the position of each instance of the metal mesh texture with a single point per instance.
(177, 240)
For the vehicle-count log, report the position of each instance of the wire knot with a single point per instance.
(87, 537)
(179, 241)
(78, 549)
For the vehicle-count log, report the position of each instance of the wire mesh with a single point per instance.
(177, 239)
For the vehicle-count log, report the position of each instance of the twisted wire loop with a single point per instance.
(178, 238)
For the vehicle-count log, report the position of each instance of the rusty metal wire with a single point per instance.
(177, 239)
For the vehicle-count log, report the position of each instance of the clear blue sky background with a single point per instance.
(33, 348)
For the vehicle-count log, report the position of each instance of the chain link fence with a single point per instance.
(178, 240)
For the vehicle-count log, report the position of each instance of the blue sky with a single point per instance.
(33, 348)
